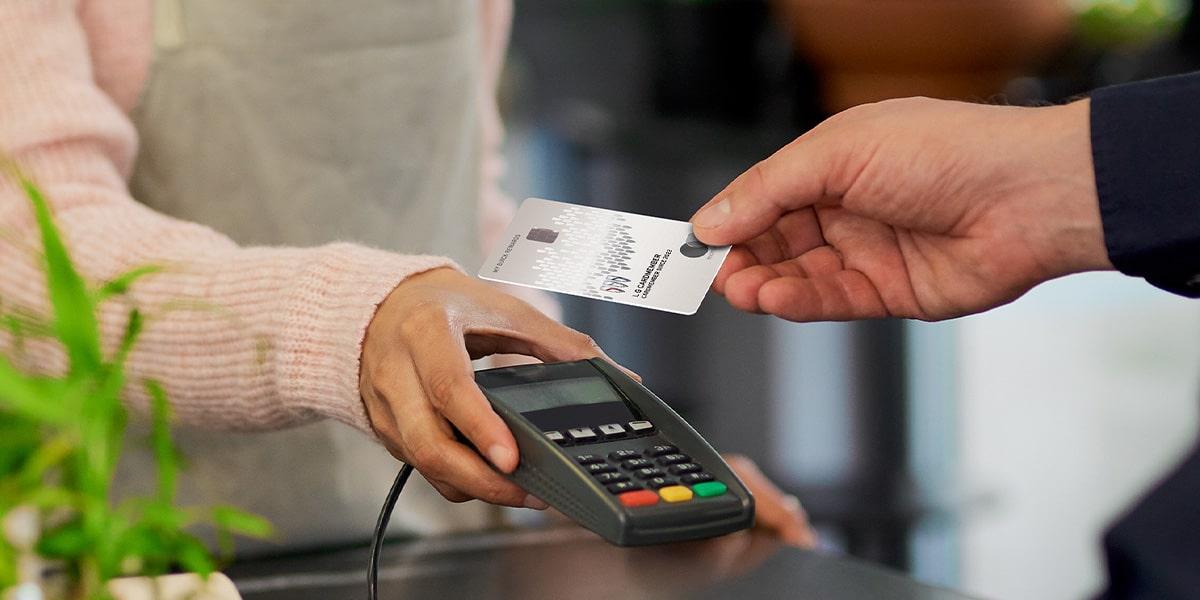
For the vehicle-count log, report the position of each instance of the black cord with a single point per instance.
(385, 514)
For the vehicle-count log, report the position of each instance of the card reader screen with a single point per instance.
(562, 404)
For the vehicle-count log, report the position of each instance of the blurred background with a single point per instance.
(986, 453)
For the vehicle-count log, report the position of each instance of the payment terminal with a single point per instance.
(605, 451)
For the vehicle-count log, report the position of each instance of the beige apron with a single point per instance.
(301, 122)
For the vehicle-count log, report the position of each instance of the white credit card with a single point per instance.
(605, 254)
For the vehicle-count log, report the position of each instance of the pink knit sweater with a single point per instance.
(244, 338)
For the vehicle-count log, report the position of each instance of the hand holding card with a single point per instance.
(605, 254)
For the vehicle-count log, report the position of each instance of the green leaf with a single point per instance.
(194, 555)
(8, 565)
(19, 438)
(164, 516)
(68, 539)
(239, 521)
(148, 545)
(166, 456)
(50, 454)
(100, 425)
(120, 285)
(32, 397)
(133, 328)
(51, 497)
(75, 321)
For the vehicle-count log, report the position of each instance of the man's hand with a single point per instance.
(911, 208)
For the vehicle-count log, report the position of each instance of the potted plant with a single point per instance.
(63, 534)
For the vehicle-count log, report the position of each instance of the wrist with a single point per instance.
(1075, 233)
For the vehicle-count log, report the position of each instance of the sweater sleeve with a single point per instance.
(1146, 149)
(240, 337)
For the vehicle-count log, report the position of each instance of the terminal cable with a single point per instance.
(385, 514)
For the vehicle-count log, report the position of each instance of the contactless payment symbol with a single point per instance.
(692, 247)
(541, 234)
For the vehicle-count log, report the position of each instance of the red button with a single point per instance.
(638, 498)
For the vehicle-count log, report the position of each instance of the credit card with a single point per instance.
(605, 254)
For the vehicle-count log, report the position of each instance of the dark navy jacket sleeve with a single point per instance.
(1153, 551)
(1146, 148)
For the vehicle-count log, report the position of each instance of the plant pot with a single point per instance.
(870, 50)
(180, 586)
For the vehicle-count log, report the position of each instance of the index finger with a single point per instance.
(445, 374)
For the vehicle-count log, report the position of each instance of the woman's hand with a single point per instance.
(418, 384)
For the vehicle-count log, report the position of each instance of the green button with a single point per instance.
(709, 489)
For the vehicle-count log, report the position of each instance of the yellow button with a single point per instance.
(675, 493)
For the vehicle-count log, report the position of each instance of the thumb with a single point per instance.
(793, 178)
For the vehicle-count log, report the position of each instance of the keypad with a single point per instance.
(639, 475)
(660, 473)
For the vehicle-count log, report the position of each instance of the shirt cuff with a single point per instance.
(1146, 150)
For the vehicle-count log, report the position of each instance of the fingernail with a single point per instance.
(535, 503)
(712, 215)
(500, 456)
(791, 503)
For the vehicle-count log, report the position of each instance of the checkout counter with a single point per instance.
(569, 563)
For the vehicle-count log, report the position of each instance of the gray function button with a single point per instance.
(661, 449)
(692, 478)
(612, 430)
(597, 468)
(556, 437)
(587, 459)
(607, 478)
(681, 469)
(673, 459)
(581, 434)
(623, 486)
(648, 473)
(636, 463)
(658, 482)
(641, 426)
